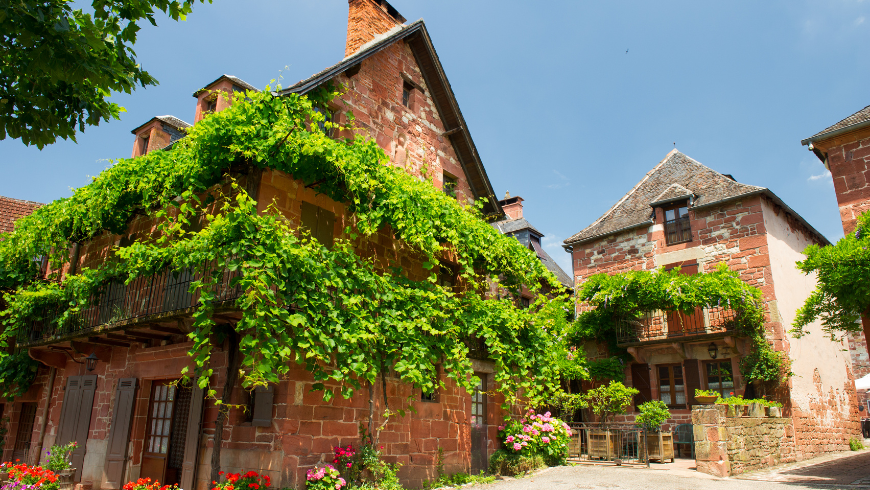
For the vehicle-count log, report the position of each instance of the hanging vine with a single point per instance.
(338, 312)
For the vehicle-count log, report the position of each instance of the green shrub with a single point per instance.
(855, 444)
(610, 400)
(507, 463)
(459, 479)
(652, 415)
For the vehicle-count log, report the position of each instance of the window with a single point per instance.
(320, 223)
(328, 116)
(145, 140)
(672, 389)
(407, 89)
(211, 105)
(449, 186)
(719, 377)
(677, 228)
(524, 303)
(447, 278)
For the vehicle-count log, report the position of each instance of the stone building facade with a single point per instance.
(397, 90)
(844, 149)
(685, 214)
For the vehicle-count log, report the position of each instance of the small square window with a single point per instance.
(328, 117)
(428, 397)
(407, 89)
(211, 105)
(145, 141)
(449, 186)
(525, 303)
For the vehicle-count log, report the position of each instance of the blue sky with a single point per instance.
(562, 115)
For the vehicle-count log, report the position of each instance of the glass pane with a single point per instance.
(171, 395)
(669, 215)
(156, 406)
(664, 375)
(666, 397)
(168, 410)
(683, 212)
(163, 443)
(161, 410)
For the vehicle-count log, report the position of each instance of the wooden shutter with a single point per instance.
(640, 382)
(693, 380)
(262, 412)
(309, 218)
(325, 228)
(191, 440)
(75, 417)
(119, 433)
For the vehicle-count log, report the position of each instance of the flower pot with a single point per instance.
(65, 479)
(660, 446)
(603, 443)
(776, 412)
(707, 400)
(756, 410)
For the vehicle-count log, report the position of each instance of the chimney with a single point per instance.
(512, 206)
(366, 19)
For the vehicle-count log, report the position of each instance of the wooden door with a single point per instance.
(21, 450)
(155, 454)
(479, 429)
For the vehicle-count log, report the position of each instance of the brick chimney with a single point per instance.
(366, 19)
(512, 206)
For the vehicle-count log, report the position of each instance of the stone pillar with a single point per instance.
(711, 440)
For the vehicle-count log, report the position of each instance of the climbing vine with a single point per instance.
(842, 292)
(609, 297)
(339, 312)
(17, 372)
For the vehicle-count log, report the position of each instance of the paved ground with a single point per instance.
(845, 470)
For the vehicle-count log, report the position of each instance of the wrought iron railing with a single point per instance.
(162, 293)
(663, 325)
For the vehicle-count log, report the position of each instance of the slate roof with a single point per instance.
(170, 120)
(238, 81)
(456, 129)
(12, 209)
(671, 179)
(511, 227)
(861, 118)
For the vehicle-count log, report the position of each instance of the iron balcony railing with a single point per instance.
(158, 294)
(664, 325)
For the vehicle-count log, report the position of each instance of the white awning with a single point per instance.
(863, 383)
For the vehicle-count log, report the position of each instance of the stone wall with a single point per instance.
(731, 440)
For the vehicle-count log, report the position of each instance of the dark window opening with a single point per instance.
(447, 278)
(211, 106)
(677, 227)
(449, 186)
(328, 117)
(672, 388)
(145, 144)
(525, 303)
(719, 377)
(320, 223)
(407, 89)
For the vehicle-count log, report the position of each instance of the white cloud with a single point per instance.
(818, 177)
(553, 245)
(563, 181)
(859, 20)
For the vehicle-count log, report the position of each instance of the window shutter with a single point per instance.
(191, 440)
(325, 228)
(309, 218)
(119, 433)
(640, 382)
(693, 380)
(75, 417)
(263, 397)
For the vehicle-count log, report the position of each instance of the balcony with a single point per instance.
(146, 302)
(668, 326)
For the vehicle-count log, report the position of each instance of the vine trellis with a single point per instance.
(338, 312)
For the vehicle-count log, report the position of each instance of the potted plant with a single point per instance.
(58, 460)
(606, 402)
(706, 397)
(659, 445)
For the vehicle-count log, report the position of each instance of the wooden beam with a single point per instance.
(51, 359)
(114, 343)
(451, 132)
(160, 328)
(102, 352)
(145, 335)
(122, 338)
(637, 354)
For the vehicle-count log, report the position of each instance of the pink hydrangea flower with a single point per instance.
(517, 446)
(509, 439)
(546, 439)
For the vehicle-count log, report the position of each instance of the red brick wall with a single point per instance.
(850, 169)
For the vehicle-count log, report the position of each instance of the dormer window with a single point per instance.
(677, 227)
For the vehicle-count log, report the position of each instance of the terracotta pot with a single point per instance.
(707, 400)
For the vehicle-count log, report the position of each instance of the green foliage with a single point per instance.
(17, 372)
(609, 400)
(340, 313)
(842, 291)
(58, 66)
(508, 463)
(612, 368)
(57, 458)
(627, 294)
(700, 392)
(652, 415)
(855, 444)
(459, 479)
(537, 434)
(740, 401)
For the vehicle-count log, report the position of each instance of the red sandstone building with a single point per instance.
(844, 149)
(128, 417)
(685, 214)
